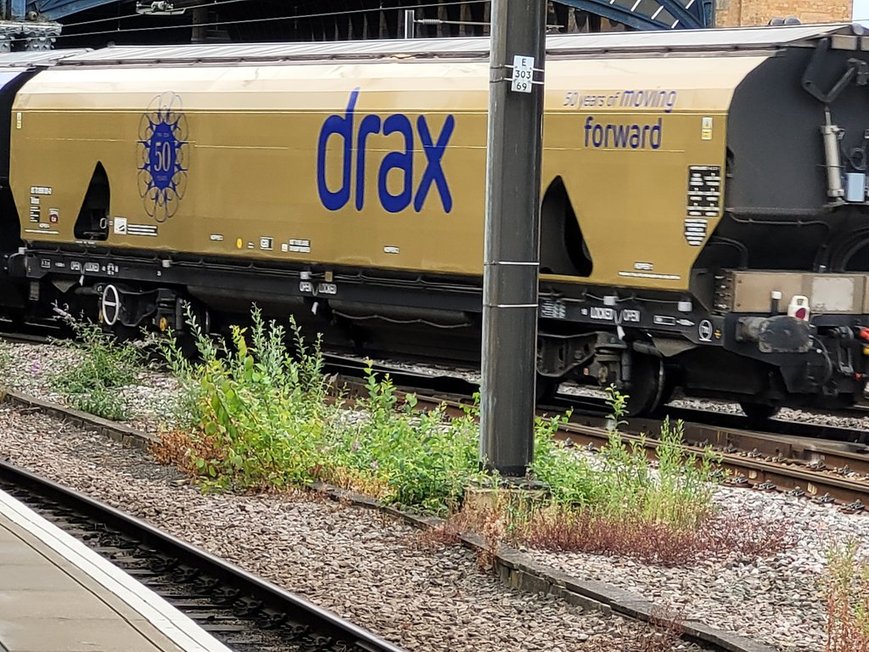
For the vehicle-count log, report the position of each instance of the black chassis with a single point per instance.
(569, 314)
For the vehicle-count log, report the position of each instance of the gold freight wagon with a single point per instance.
(689, 201)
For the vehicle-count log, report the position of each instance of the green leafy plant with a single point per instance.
(420, 458)
(104, 366)
(5, 358)
(262, 418)
(622, 482)
(258, 411)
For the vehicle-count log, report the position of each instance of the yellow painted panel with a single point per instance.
(620, 133)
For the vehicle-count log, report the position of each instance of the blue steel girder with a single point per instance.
(57, 9)
(639, 14)
(651, 14)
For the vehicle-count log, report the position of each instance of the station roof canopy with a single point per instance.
(639, 14)
(651, 14)
(59, 9)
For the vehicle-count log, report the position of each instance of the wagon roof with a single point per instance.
(704, 40)
(36, 58)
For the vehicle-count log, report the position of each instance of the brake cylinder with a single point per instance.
(831, 132)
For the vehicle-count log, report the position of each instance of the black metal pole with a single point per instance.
(512, 235)
(409, 25)
(199, 32)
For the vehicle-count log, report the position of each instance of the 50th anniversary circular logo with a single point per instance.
(162, 156)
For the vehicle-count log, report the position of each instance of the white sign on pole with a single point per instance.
(523, 74)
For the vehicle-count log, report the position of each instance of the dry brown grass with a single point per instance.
(568, 530)
(439, 537)
(663, 634)
(179, 448)
(352, 480)
(652, 542)
(846, 590)
(844, 632)
(486, 521)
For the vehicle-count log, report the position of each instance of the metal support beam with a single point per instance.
(660, 14)
(409, 23)
(57, 9)
(512, 235)
(27, 35)
(199, 30)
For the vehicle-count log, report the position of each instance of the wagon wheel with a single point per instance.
(545, 389)
(647, 385)
(759, 411)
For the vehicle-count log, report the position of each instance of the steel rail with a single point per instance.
(813, 467)
(303, 618)
(782, 475)
(816, 467)
(816, 454)
(824, 470)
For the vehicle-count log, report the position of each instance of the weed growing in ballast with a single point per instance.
(104, 366)
(846, 592)
(261, 418)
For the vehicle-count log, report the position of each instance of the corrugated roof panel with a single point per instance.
(36, 58)
(688, 40)
(701, 39)
(271, 51)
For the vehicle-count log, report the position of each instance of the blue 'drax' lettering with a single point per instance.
(400, 161)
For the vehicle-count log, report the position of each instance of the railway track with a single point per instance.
(858, 439)
(594, 408)
(791, 459)
(786, 456)
(859, 410)
(453, 387)
(244, 612)
(777, 426)
(825, 475)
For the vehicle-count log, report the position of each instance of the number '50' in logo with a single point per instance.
(162, 156)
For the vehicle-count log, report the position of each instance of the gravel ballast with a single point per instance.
(363, 565)
(776, 600)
